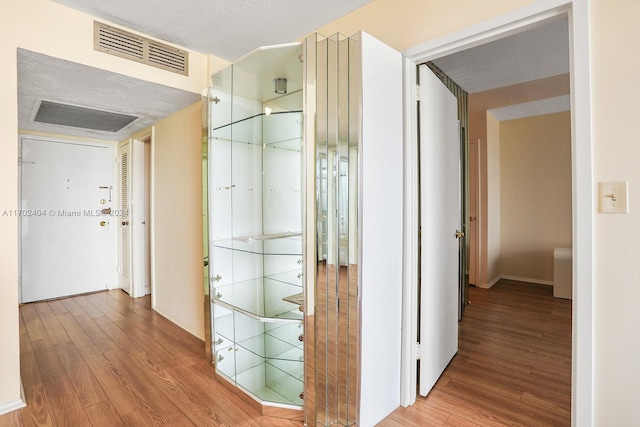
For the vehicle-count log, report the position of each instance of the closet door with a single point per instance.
(440, 211)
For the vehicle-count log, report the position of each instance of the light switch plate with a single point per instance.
(614, 197)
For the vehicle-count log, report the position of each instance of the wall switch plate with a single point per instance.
(614, 197)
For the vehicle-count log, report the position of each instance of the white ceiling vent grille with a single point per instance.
(140, 49)
(55, 113)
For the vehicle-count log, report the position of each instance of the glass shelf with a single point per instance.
(271, 384)
(278, 130)
(262, 298)
(288, 243)
(269, 347)
(269, 364)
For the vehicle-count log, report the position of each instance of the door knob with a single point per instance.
(103, 223)
(125, 222)
(459, 234)
(472, 218)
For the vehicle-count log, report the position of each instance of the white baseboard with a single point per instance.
(516, 279)
(490, 284)
(16, 404)
(196, 332)
(527, 279)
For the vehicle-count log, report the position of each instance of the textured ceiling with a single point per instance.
(225, 28)
(53, 79)
(531, 55)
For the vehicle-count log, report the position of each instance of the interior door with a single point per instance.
(440, 213)
(65, 238)
(124, 231)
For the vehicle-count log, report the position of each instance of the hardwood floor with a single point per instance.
(513, 367)
(107, 360)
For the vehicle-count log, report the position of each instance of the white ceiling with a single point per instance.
(531, 55)
(227, 29)
(230, 29)
(534, 54)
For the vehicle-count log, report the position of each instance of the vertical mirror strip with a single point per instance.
(330, 75)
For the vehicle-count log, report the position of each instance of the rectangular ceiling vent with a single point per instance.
(55, 113)
(140, 49)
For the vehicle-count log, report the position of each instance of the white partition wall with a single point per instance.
(381, 229)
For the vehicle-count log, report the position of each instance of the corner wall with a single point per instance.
(535, 182)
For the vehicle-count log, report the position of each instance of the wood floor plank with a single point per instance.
(12, 419)
(104, 414)
(38, 411)
(130, 345)
(74, 330)
(55, 330)
(111, 380)
(86, 385)
(88, 307)
(106, 309)
(99, 338)
(32, 322)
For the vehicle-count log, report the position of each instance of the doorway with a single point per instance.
(65, 227)
(134, 219)
(582, 217)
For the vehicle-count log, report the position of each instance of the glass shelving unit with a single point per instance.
(255, 227)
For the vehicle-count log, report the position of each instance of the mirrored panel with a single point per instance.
(332, 68)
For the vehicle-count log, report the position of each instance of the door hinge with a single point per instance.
(417, 92)
(418, 352)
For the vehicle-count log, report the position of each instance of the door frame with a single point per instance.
(138, 257)
(582, 179)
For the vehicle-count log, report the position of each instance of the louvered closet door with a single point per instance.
(124, 230)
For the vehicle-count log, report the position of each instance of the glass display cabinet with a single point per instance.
(255, 228)
(303, 189)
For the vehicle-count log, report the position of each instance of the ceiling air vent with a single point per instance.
(56, 113)
(140, 49)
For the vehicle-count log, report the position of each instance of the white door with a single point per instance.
(65, 238)
(124, 231)
(440, 211)
(138, 217)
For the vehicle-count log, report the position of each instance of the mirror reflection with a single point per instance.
(336, 201)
